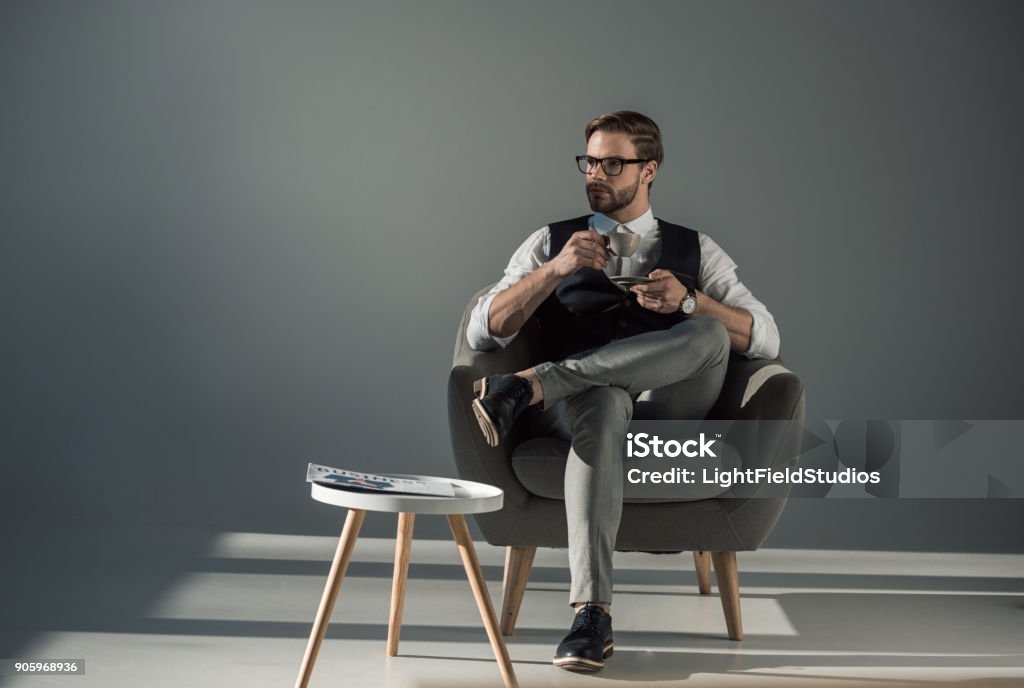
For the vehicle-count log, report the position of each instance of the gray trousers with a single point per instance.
(589, 400)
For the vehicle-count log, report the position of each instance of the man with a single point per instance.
(614, 341)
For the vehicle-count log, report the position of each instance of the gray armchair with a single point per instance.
(753, 389)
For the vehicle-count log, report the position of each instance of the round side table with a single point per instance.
(470, 498)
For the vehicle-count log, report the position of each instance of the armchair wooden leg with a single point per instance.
(702, 563)
(518, 561)
(729, 590)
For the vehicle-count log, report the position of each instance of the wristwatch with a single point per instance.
(689, 303)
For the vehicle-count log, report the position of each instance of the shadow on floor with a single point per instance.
(107, 580)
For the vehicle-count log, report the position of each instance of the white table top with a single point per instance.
(470, 498)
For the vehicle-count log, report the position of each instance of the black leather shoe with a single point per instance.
(588, 643)
(499, 401)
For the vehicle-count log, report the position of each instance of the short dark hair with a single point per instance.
(643, 133)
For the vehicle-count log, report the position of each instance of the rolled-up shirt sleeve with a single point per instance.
(530, 255)
(719, 281)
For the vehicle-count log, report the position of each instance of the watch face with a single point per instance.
(689, 305)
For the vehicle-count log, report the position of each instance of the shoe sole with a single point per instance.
(483, 419)
(583, 664)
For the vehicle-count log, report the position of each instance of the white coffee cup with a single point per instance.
(622, 244)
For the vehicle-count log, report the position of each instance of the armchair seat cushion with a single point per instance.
(539, 465)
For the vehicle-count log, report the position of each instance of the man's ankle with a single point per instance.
(537, 390)
(606, 607)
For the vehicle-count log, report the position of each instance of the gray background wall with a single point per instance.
(237, 237)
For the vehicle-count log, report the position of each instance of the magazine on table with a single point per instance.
(368, 482)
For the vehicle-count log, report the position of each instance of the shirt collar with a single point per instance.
(640, 225)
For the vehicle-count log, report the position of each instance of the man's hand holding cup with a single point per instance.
(583, 250)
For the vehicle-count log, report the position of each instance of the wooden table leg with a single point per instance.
(403, 543)
(460, 531)
(347, 542)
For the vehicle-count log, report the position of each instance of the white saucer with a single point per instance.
(630, 280)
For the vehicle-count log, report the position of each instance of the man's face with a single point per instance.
(610, 194)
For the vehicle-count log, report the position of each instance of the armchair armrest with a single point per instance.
(761, 390)
(474, 459)
(758, 389)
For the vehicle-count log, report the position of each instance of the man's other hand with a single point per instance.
(583, 250)
(663, 295)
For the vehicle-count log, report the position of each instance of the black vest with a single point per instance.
(587, 310)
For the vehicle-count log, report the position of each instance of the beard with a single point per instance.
(612, 200)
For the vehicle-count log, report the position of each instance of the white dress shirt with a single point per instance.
(717, 279)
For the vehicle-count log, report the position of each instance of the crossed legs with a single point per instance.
(636, 364)
(673, 374)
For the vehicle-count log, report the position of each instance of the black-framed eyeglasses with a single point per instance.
(611, 166)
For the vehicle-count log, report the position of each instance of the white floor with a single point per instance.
(179, 608)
